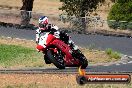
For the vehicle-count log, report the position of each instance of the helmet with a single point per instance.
(43, 21)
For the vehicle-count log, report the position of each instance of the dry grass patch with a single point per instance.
(46, 6)
(38, 80)
(49, 81)
(11, 3)
(98, 56)
(20, 42)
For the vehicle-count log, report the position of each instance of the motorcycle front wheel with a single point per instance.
(82, 59)
(56, 59)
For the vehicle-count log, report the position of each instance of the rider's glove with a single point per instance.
(37, 40)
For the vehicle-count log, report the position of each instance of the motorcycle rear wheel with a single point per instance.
(56, 59)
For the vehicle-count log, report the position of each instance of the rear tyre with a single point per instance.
(56, 59)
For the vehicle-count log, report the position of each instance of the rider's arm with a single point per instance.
(37, 35)
(53, 29)
(64, 36)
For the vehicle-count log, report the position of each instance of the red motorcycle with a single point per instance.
(62, 55)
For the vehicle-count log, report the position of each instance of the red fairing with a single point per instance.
(65, 49)
(69, 60)
(50, 38)
(40, 48)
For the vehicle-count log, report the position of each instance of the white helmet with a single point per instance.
(43, 21)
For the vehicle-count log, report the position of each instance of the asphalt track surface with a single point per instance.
(121, 44)
(89, 69)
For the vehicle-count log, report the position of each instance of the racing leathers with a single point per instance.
(42, 35)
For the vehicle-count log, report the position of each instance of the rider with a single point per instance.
(44, 29)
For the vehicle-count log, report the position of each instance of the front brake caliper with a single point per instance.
(55, 50)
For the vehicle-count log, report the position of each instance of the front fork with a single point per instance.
(76, 53)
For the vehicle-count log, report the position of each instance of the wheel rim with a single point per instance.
(59, 58)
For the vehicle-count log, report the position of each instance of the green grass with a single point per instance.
(12, 55)
(113, 54)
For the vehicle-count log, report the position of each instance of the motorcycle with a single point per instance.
(62, 55)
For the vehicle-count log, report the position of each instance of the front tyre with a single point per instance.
(84, 62)
(56, 59)
(82, 59)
